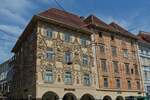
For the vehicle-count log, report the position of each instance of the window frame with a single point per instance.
(125, 53)
(48, 76)
(87, 79)
(106, 83)
(116, 67)
(129, 84)
(127, 68)
(67, 37)
(118, 83)
(104, 65)
(68, 77)
(50, 55)
(102, 48)
(85, 58)
(114, 50)
(68, 57)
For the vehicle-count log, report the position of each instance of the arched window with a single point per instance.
(68, 77)
(48, 76)
(86, 79)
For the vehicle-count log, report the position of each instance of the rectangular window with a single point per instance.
(50, 54)
(112, 37)
(67, 37)
(129, 84)
(49, 34)
(118, 83)
(100, 34)
(68, 57)
(148, 88)
(105, 82)
(86, 79)
(48, 77)
(85, 60)
(138, 85)
(125, 53)
(146, 75)
(136, 70)
(115, 65)
(127, 68)
(104, 66)
(83, 42)
(114, 51)
(68, 77)
(102, 48)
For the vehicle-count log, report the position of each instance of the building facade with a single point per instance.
(59, 55)
(144, 54)
(5, 78)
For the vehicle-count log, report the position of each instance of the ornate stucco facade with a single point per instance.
(58, 58)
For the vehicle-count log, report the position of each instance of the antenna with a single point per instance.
(59, 5)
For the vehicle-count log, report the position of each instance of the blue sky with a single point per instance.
(134, 15)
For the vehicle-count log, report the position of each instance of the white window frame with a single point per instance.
(48, 76)
(87, 79)
(50, 54)
(68, 77)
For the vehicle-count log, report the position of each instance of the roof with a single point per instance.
(122, 30)
(68, 20)
(144, 36)
(93, 20)
(64, 17)
(54, 16)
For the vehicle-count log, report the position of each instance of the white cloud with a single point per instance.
(11, 29)
(16, 5)
(4, 54)
(13, 17)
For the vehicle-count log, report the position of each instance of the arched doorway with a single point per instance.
(119, 98)
(50, 96)
(87, 97)
(107, 98)
(69, 96)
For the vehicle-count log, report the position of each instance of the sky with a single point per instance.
(134, 15)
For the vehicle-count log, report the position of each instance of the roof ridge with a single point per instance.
(50, 9)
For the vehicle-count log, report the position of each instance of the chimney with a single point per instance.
(82, 17)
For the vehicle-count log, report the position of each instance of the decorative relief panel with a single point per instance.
(60, 47)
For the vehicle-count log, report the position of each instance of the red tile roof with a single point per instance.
(64, 17)
(69, 20)
(144, 36)
(92, 19)
(121, 30)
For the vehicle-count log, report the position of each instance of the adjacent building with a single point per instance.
(5, 77)
(144, 54)
(62, 56)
